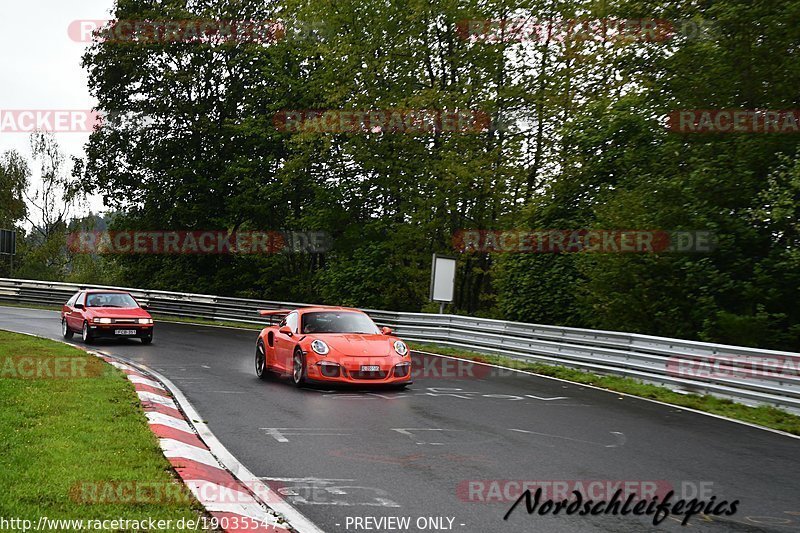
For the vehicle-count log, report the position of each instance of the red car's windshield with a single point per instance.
(110, 299)
(338, 322)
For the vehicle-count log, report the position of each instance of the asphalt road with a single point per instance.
(438, 448)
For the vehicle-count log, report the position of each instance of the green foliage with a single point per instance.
(14, 176)
(192, 145)
(384, 271)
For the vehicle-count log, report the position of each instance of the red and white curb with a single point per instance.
(226, 488)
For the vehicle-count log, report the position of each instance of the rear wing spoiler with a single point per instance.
(273, 312)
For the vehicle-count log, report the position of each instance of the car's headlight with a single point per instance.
(400, 347)
(320, 347)
(145, 321)
(102, 321)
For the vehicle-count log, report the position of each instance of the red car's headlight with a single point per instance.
(401, 348)
(320, 347)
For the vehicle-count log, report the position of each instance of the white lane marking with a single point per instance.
(154, 417)
(279, 434)
(179, 450)
(326, 492)
(304, 479)
(456, 392)
(145, 381)
(572, 383)
(156, 398)
(547, 399)
(619, 438)
(120, 366)
(408, 432)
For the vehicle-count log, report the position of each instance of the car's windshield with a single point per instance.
(338, 322)
(110, 299)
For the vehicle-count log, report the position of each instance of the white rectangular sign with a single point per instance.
(443, 278)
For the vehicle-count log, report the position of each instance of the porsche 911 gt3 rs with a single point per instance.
(331, 344)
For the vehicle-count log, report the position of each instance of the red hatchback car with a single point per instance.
(106, 314)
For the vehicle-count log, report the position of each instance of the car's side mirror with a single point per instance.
(144, 306)
(386, 331)
(286, 330)
(79, 306)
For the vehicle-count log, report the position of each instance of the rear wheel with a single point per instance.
(86, 335)
(298, 368)
(261, 360)
(65, 331)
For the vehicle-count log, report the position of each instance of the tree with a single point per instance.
(51, 202)
(14, 176)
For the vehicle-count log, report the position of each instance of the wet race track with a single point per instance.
(450, 452)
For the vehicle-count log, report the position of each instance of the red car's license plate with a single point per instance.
(370, 368)
(125, 332)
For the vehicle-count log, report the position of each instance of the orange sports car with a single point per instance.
(331, 344)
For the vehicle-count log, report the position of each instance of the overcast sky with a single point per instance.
(40, 65)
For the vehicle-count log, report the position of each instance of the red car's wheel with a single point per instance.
(261, 360)
(298, 368)
(86, 335)
(65, 331)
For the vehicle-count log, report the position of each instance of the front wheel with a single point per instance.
(86, 335)
(298, 369)
(65, 331)
(147, 340)
(261, 361)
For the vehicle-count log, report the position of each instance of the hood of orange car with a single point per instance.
(357, 345)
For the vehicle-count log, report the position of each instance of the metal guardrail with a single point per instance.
(747, 375)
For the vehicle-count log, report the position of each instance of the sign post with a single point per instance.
(8, 246)
(443, 280)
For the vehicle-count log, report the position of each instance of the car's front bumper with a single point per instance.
(391, 371)
(111, 331)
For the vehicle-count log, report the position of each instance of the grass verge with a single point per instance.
(770, 417)
(207, 322)
(31, 306)
(65, 435)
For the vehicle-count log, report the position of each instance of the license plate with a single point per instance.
(370, 368)
(124, 332)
